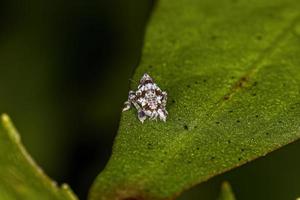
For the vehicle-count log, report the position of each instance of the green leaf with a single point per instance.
(231, 70)
(20, 177)
(226, 192)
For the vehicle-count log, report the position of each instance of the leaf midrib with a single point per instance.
(244, 79)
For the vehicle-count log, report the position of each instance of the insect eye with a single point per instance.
(138, 92)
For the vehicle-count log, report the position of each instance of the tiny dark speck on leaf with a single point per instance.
(238, 121)
(230, 111)
(150, 146)
(204, 80)
(242, 81)
(213, 37)
(256, 116)
(240, 159)
(242, 150)
(229, 141)
(189, 86)
(254, 94)
(173, 101)
(189, 161)
(217, 122)
(244, 78)
(150, 66)
(259, 37)
(186, 127)
(212, 158)
(267, 133)
(198, 148)
(226, 97)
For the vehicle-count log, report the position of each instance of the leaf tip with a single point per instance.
(11, 130)
(5, 118)
(226, 186)
(68, 191)
(226, 192)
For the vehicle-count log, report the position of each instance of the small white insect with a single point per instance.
(149, 100)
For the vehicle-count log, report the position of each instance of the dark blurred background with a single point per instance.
(64, 75)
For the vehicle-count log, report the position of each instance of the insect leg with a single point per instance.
(142, 116)
(164, 98)
(127, 104)
(162, 114)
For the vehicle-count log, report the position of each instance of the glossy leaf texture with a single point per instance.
(226, 192)
(20, 177)
(232, 73)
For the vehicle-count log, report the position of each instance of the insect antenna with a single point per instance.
(134, 81)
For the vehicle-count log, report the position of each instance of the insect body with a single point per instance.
(149, 100)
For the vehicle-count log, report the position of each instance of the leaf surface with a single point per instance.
(20, 177)
(232, 73)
